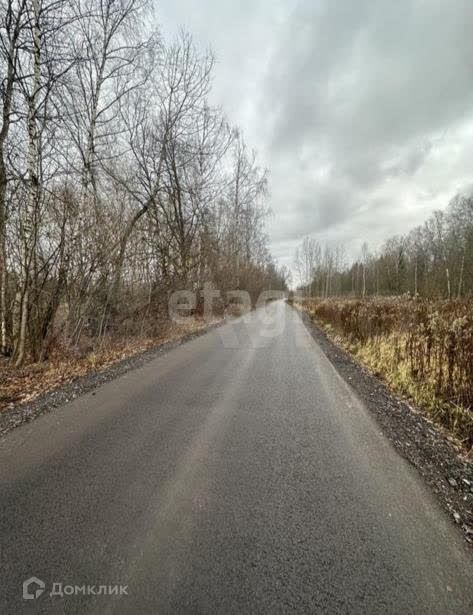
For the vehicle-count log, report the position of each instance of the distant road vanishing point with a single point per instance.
(237, 473)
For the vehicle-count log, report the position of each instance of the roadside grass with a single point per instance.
(422, 349)
(19, 386)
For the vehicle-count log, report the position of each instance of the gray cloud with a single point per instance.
(363, 110)
(377, 94)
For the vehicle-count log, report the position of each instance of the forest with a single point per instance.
(434, 260)
(119, 180)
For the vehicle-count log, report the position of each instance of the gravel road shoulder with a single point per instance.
(437, 457)
(24, 413)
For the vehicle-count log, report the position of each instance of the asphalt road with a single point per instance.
(238, 473)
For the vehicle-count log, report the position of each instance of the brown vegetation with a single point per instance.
(422, 348)
(22, 385)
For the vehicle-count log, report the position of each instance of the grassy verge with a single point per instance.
(422, 349)
(19, 386)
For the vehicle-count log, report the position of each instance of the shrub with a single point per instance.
(423, 348)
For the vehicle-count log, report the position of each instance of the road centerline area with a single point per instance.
(226, 478)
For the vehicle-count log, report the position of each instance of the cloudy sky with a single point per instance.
(362, 110)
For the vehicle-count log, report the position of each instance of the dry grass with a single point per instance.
(18, 386)
(423, 349)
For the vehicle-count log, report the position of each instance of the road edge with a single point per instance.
(435, 456)
(11, 418)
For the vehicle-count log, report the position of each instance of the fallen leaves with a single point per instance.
(19, 386)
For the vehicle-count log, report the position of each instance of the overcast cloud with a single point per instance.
(362, 110)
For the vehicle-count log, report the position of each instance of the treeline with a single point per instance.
(119, 182)
(434, 260)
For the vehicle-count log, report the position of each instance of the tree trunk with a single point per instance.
(5, 129)
(3, 262)
(415, 279)
(21, 350)
(32, 170)
(460, 280)
(449, 290)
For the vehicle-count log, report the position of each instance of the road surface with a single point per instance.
(237, 473)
